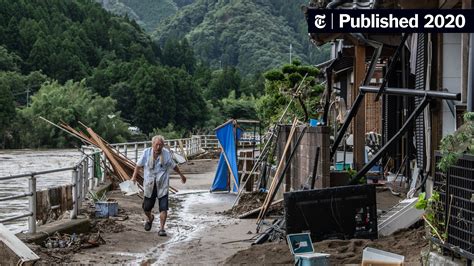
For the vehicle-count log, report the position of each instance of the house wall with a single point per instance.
(451, 77)
(373, 109)
(303, 161)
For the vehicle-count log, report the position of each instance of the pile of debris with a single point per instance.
(250, 204)
(106, 226)
(210, 154)
(409, 242)
(58, 247)
(122, 167)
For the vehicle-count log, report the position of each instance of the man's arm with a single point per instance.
(135, 173)
(183, 178)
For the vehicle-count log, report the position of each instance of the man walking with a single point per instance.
(157, 163)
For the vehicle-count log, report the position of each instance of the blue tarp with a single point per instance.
(226, 137)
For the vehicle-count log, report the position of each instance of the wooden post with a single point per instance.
(230, 170)
(278, 170)
(359, 120)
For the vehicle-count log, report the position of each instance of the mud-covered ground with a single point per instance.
(408, 242)
(197, 232)
(202, 229)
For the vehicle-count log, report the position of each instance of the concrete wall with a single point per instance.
(451, 76)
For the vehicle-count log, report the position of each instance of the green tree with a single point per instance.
(39, 57)
(155, 98)
(190, 105)
(179, 54)
(241, 108)
(9, 61)
(223, 82)
(7, 112)
(125, 97)
(282, 84)
(22, 86)
(70, 103)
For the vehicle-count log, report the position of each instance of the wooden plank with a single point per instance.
(230, 169)
(40, 204)
(64, 199)
(359, 119)
(266, 203)
(69, 197)
(115, 164)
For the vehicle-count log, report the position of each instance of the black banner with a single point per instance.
(390, 20)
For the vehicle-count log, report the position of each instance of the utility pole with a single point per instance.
(291, 48)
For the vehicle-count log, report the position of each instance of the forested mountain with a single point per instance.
(68, 39)
(251, 35)
(147, 13)
(74, 61)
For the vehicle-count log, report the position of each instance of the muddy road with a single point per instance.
(197, 232)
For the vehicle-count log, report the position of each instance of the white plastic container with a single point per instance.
(377, 257)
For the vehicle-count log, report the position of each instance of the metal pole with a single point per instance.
(92, 173)
(75, 204)
(412, 92)
(104, 160)
(32, 204)
(400, 133)
(136, 152)
(80, 182)
(86, 178)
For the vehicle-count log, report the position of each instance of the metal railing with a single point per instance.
(194, 145)
(82, 179)
(83, 176)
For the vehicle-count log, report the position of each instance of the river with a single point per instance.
(14, 162)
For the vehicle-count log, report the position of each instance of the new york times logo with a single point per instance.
(389, 20)
(319, 21)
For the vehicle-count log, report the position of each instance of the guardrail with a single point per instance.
(82, 179)
(83, 176)
(194, 145)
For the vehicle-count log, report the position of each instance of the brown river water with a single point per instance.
(15, 162)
